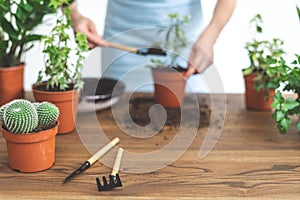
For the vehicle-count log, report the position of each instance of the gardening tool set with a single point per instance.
(114, 178)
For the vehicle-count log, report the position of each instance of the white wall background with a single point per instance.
(280, 21)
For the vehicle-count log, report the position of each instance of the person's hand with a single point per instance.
(87, 27)
(201, 57)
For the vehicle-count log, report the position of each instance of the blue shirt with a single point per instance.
(136, 23)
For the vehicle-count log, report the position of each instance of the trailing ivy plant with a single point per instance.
(64, 60)
(175, 40)
(17, 21)
(263, 55)
(285, 108)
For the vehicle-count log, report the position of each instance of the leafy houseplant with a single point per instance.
(286, 108)
(29, 130)
(175, 42)
(169, 83)
(17, 22)
(260, 75)
(62, 72)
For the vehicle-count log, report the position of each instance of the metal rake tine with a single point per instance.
(114, 178)
(106, 185)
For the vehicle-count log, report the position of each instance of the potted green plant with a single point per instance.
(17, 21)
(29, 130)
(168, 75)
(260, 84)
(287, 108)
(61, 79)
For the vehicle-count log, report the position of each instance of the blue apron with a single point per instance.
(136, 23)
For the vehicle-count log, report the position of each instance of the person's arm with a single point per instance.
(86, 26)
(202, 53)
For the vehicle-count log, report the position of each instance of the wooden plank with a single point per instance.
(251, 160)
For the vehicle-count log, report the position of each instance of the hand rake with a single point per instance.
(114, 178)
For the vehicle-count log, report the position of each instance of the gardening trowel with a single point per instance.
(92, 159)
(144, 51)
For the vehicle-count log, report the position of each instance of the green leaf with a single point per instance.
(32, 37)
(247, 71)
(272, 85)
(3, 47)
(290, 104)
(298, 126)
(276, 105)
(259, 29)
(279, 115)
(7, 27)
(27, 7)
(285, 124)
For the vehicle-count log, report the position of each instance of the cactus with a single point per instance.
(20, 116)
(47, 114)
(2, 113)
(36, 104)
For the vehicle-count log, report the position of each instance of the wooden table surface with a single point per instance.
(251, 160)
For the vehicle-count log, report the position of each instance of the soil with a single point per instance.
(139, 111)
(43, 87)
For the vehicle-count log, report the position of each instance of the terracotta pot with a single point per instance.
(31, 152)
(11, 83)
(169, 87)
(256, 100)
(66, 101)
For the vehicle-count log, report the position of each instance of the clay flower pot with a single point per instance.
(31, 152)
(255, 100)
(67, 103)
(11, 83)
(169, 87)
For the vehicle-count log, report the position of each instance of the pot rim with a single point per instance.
(12, 68)
(34, 89)
(30, 137)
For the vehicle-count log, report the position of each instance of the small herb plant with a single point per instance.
(63, 62)
(175, 40)
(285, 108)
(17, 21)
(21, 116)
(264, 55)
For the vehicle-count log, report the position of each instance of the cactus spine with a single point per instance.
(20, 116)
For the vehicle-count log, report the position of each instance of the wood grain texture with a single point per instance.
(250, 161)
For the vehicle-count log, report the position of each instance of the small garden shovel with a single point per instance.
(92, 159)
(144, 51)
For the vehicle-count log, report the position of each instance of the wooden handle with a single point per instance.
(117, 162)
(102, 151)
(122, 47)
